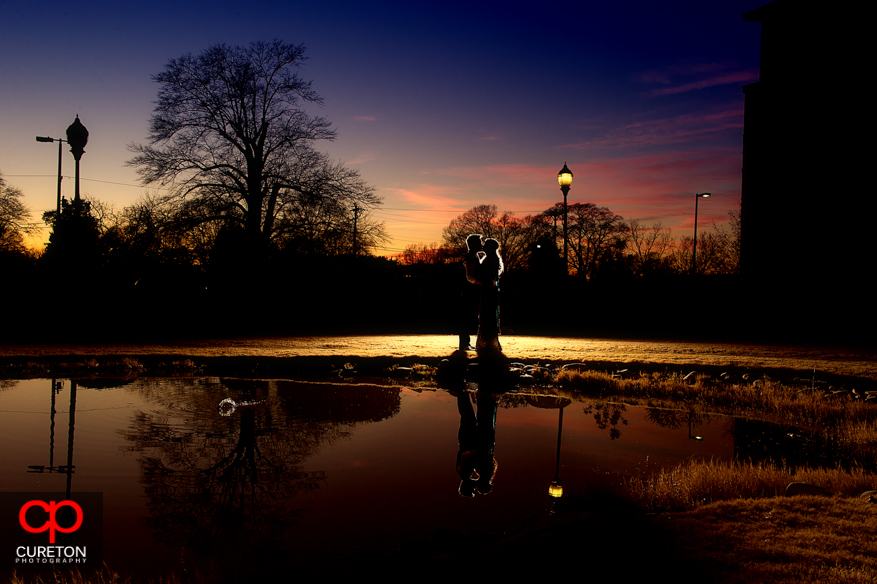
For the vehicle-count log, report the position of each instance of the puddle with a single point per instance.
(225, 470)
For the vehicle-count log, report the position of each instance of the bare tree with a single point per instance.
(648, 245)
(596, 235)
(715, 253)
(230, 132)
(15, 218)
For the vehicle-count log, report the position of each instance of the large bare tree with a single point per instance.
(231, 133)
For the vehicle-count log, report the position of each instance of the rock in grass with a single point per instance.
(575, 367)
(795, 489)
(870, 496)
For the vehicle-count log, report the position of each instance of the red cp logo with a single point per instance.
(51, 524)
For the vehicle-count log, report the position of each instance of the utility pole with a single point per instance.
(356, 211)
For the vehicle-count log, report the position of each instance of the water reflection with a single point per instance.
(608, 415)
(224, 485)
(65, 469)
(476, 464)
(675, 419)
(310, 471)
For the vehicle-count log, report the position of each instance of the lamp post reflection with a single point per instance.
(555, 489)
(71, 423)
(691, 416)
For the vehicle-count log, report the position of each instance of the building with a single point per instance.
(807, 210)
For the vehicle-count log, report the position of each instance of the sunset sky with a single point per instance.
(441, 106)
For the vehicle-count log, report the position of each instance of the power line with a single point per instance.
(81, 178)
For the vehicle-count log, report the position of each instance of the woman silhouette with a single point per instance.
(489, 271)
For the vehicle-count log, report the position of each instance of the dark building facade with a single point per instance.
(807, 210)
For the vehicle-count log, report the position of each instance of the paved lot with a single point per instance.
(859, 362)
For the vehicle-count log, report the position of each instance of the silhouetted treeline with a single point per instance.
(136, 275)
(147, 271)
(600, 243)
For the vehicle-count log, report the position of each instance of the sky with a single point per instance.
(440, 106)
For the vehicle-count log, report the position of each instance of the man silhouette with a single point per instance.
(470, 295)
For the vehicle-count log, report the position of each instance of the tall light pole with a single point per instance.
(697, 198)
(77, 137)
(564, 178)
(60, 141)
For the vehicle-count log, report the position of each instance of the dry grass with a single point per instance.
(104, 576)
(780, 540)
(702, 482)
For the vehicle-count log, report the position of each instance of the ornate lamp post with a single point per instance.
(77, 137)
(694, 251)
(564, 178)
(60, 141)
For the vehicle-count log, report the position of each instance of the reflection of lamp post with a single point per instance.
(564, 178)
(77, 137)
(694, 251)
(555, 489)
(63, 468)
(690, 437)
(60, 141)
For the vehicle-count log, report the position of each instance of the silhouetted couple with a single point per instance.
(481, 296)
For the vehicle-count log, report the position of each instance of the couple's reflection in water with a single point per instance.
(476, 464)
(477, 385)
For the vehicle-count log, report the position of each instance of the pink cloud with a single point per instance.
(665, 75)
(740, 77)
(434, 197)
(364, 118)
(662, 186)
(363, 158)
(663, 131)
(652, 187)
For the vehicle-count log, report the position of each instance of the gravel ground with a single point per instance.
(854, 362)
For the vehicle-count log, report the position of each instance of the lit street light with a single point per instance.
(564, 178)
(694, 251)
(60, 141)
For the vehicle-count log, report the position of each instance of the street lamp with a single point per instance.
(60, 141)
(697, 198)
(77, 137)
(564, 179)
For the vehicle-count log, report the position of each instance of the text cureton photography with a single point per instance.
(45, 530)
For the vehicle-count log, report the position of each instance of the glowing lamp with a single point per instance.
(555, 489)
(564, 177)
